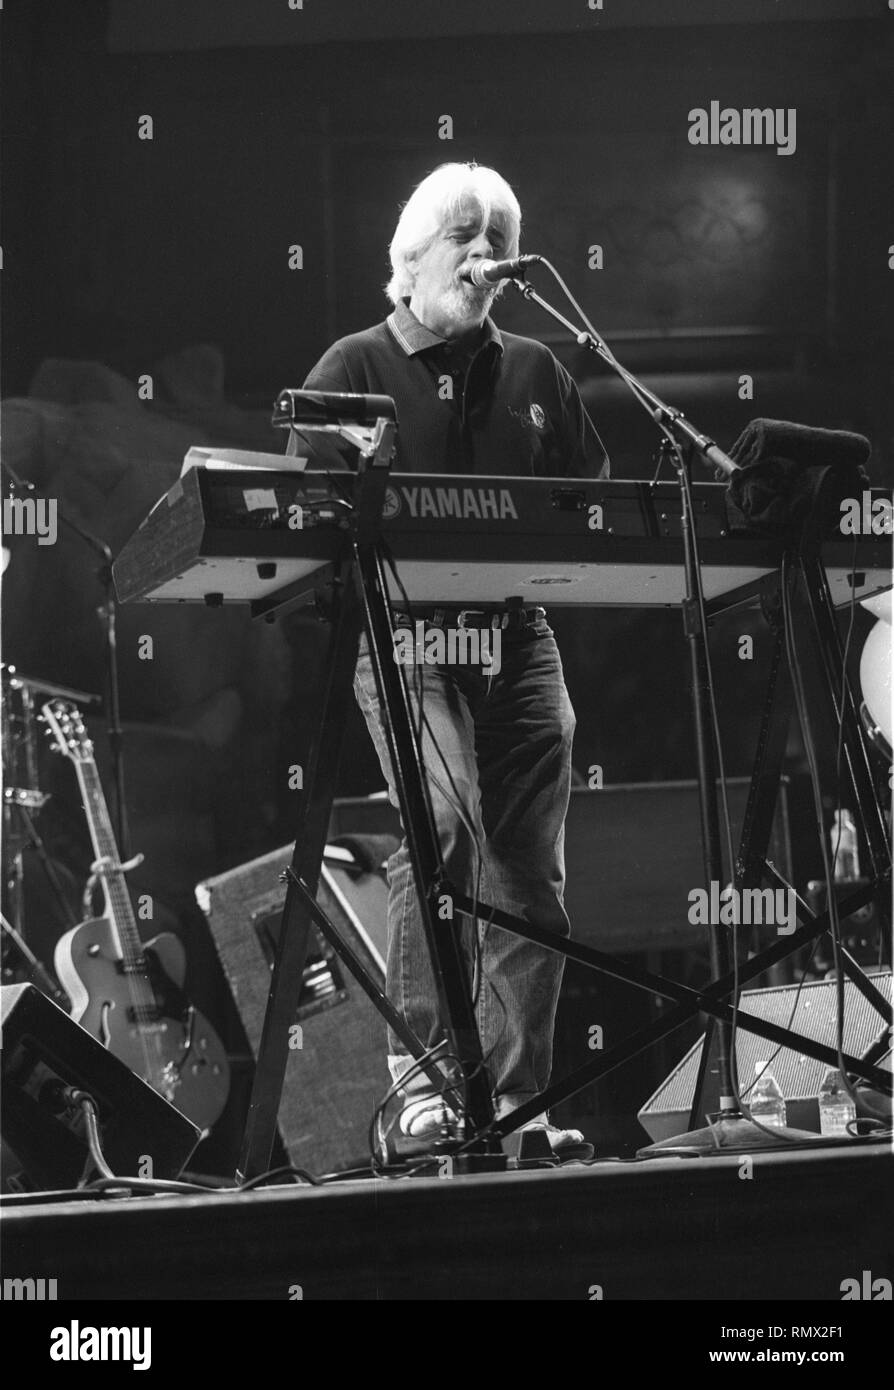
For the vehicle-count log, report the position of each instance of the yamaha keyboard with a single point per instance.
(265, 536)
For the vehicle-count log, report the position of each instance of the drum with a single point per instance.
(20, 731)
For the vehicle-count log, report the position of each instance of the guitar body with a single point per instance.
(166, 1041)
(130, 996)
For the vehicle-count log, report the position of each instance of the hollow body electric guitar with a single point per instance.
(127, 994)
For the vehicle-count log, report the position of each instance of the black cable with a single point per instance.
(720, 771)
(150, 1185)
(81, 1099)
(791, 1017)
(285, 1170)
(802, 707)
(109, 1180)
(467, 819)
(162, 1185)
(840, 1006)
(456, 800)
(377, 1140)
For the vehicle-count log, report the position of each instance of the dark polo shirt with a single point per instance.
(503, 406)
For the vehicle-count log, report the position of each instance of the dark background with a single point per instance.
(274, 127)
(715, 258)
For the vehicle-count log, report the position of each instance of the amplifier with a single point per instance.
(810, 1009)
(141, 1134)
(335, 1079)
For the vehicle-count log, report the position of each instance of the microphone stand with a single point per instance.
(732, 1127)
(108, 614)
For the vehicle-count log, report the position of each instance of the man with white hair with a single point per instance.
(496, 746)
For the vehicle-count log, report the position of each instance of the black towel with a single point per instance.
(804, 444)
(793, 478)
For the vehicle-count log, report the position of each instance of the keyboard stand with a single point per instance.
(360, 599)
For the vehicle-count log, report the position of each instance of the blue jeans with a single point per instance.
(501, 744)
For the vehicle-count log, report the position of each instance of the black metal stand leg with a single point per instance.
(695, 1109)
(433, 890)
(851, 968)
(687, 1003)
(712, 858)
(49, 868)
(652, 1033)
(760, 807)
(310, 843)
(762, 796)
(377, 997)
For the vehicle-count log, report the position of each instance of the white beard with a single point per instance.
(463, 302)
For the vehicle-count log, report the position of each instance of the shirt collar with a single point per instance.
(414, 337)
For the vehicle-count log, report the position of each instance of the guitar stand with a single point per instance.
(360, 598)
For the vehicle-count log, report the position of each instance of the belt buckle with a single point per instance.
(468, 613)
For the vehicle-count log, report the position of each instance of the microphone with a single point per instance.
(484, 274)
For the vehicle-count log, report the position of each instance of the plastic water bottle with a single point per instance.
(836, 1109)
(766, 1102)
(845, 848)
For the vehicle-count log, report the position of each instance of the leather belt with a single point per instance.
(507, 619)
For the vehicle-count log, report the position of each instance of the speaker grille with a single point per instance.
(813, 1013)
(337, 1075)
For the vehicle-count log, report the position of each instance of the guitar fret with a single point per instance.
(118, 898)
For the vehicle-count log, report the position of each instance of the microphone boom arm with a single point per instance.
(671, 422)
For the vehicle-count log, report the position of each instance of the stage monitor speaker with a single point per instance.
(810, 1009)
(335, 1079)
(45, 1146)
(632, 856)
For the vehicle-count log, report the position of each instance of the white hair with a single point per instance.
(447, 194)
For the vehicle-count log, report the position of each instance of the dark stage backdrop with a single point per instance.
(314, 129)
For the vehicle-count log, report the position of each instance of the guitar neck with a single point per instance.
(102, 837)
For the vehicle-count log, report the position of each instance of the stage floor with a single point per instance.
(667, 1229)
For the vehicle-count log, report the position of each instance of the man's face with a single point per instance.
(441, 299)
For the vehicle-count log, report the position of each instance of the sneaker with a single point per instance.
(566, 1144)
